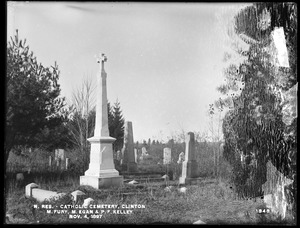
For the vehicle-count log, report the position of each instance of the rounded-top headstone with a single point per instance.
(183, 189)
(28, 189)
(165, 177)
(76, 194)
(19, 177)
(87, 202)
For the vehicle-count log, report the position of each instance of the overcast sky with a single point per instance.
(164, 59)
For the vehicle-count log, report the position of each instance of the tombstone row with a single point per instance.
(188, 159)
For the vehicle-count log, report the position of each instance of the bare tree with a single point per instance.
(215, 135)
(82, 124)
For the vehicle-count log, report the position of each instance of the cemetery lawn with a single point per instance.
(208, 201)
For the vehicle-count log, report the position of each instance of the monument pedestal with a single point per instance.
(101, 172)
(191, 172)
(102, 182)
(188, 181)
(129, 160)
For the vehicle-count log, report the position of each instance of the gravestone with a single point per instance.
(88, 202)
(189, 166)
(135, 155)
(59, 154)
(129, 162)
(144, 152)
(180, 158)
(167, 156)
(101, 172)
(67, 163)
(41, 195)
(50, 161)
(77, 195)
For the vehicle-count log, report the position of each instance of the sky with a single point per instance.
(164, 59)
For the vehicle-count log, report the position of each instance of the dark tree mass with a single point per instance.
(261, 126)
(33, 104)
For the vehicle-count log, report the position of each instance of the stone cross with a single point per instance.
(101, 58)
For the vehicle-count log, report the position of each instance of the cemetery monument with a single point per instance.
(101, 172)
(189, 166)
(129, 163)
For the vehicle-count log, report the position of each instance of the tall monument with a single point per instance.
(189, 166)
(129, 161)
(101, 172)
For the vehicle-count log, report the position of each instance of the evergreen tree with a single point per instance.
(110, 119)
(33, 102)
(256, 129)
(117, 126)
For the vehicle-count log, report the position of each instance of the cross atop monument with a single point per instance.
(101, 58)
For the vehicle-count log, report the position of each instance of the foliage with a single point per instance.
(32, 97)
(82, 121)
(256, 128)
(116, 129)
(160, 206)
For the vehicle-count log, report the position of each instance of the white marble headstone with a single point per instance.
(167, 155)
(59, 154)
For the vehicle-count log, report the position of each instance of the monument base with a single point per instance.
(186, 180)
(102, 182)
(132, 167)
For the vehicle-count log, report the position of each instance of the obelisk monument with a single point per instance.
(129, 163)
(189, 166)
(101, 172)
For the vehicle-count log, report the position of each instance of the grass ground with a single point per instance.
(209, 201)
